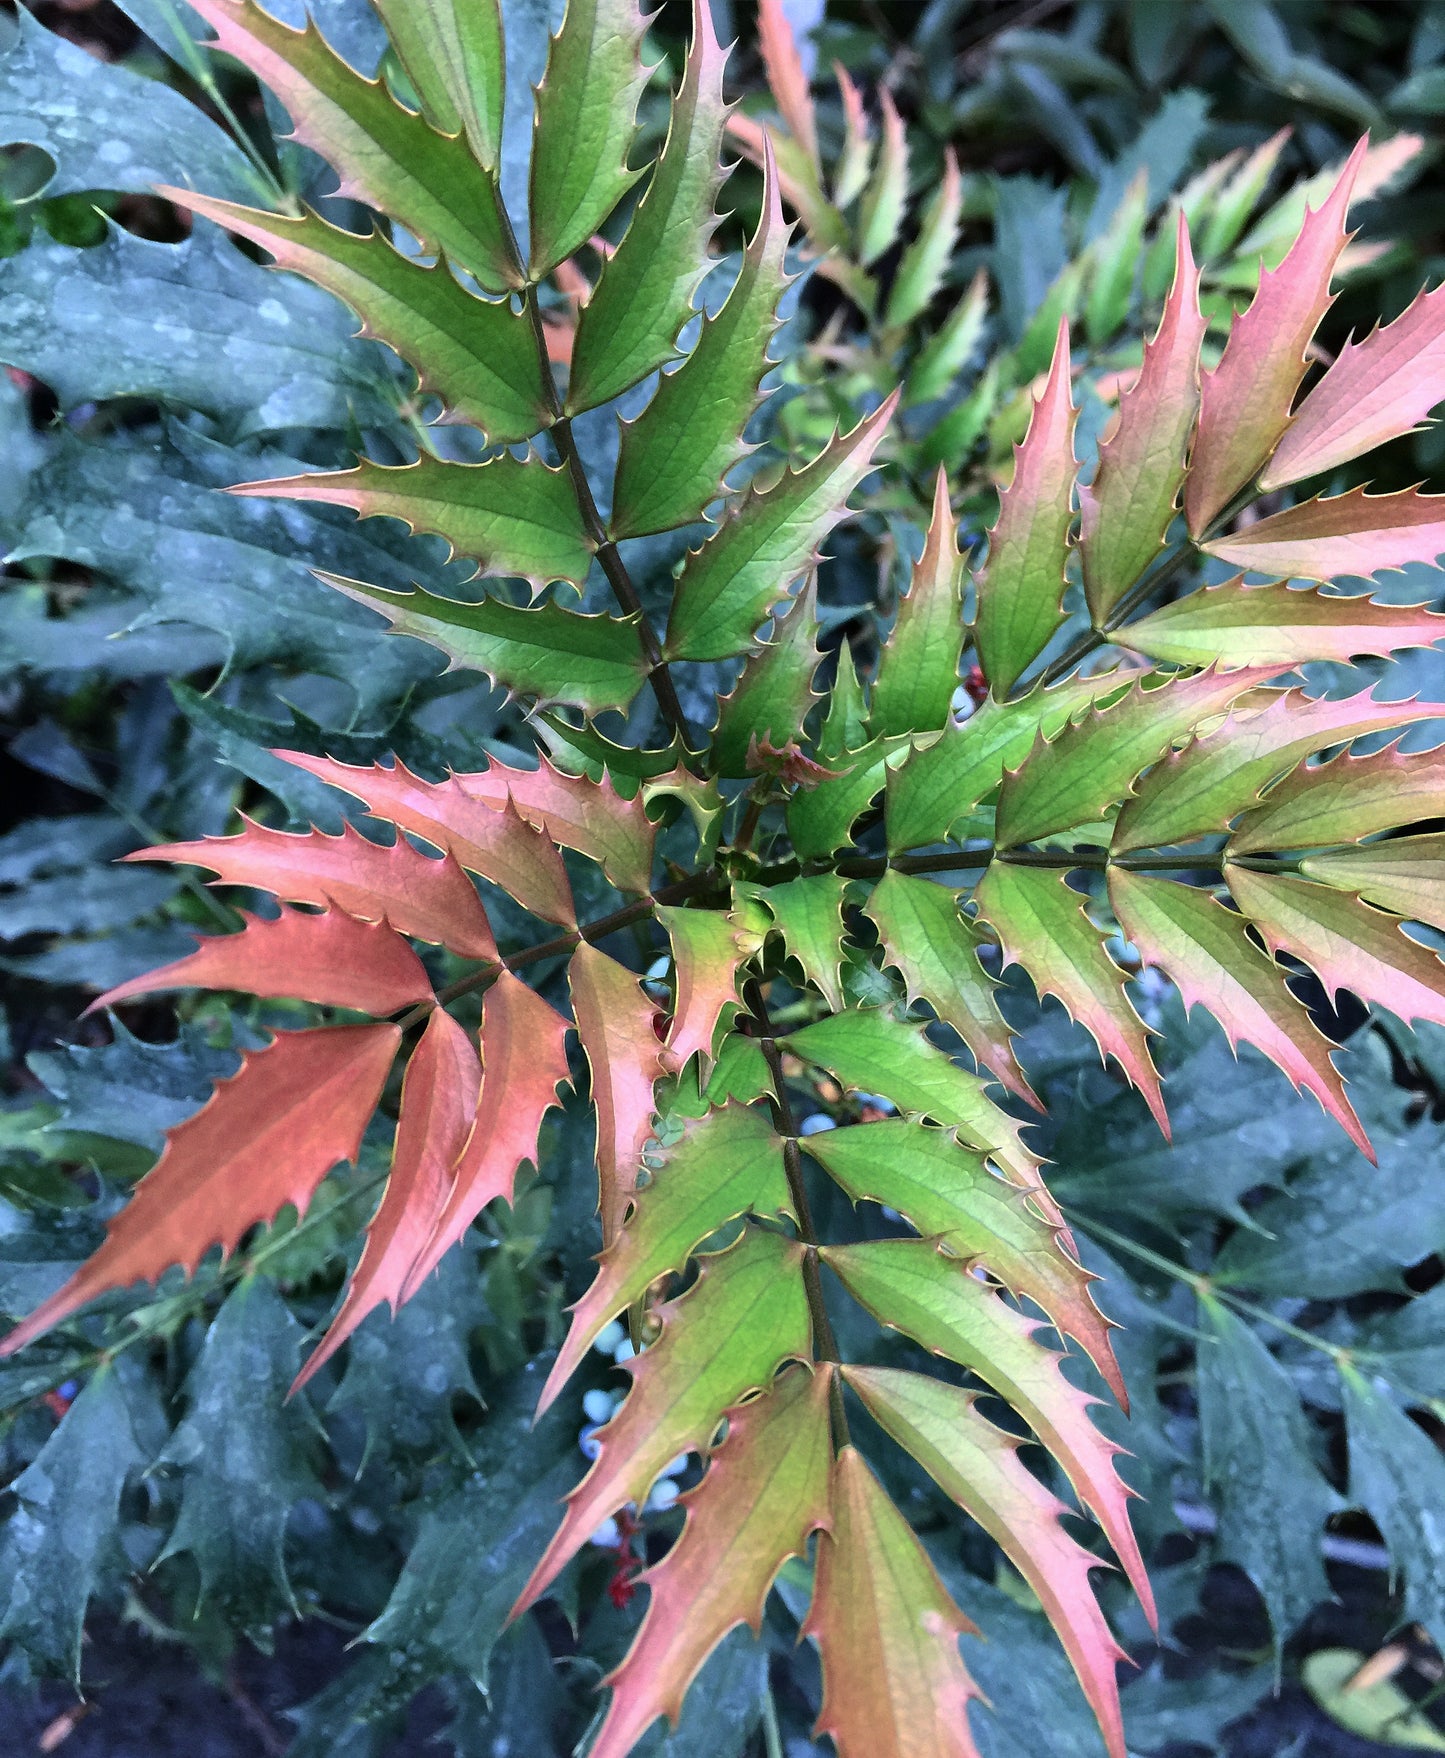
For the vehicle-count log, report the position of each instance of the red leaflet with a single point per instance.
(1205, 950)
(707, 948)
(265, 1138)
(1351, 534)
(1376, 390)
(786, 78)
(524, 1061)
(615, 1022)
(1245, 402)
(894, 1684)
(765, 1491)
(332, 959)
(589, 816)
(438, 1102)
(432, 899)
(463, 820)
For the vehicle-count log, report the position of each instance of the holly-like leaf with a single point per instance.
(1205, 951)
(869, 1050)
(1315, 806)
(453, 55)
(939, 784)
(850, 173)
(774, 695)
(1093, 762)
(1021, 590)
(672, 459)
(332, 959)
(949, 1195)
(1256, 1438)
(1276, 624)
(808, 913)
(385, 156)
(925, 262)
(1245, 401)
(787, 79)
(478, 355)
(918, 663)
(1345, 943)
(555, 655)
(726, 587)
(434, 900)
(707, 948)
(1354, 533)
(438, 1104)
(267, 1137)
(517, 517)
(936, 950)
(616, 1023)
(821, 817)
(585, 114)
(1403, 874)
(746, 1315)
(643, 297)
(727, 1163)
(978, 1466)
(765, 1491)
(880, 213)
(524, 1061)
(465, 818)
(909, 1285)
(1128, 507)
(1375, 391)
(1224, 770)
(1397, 1475)
(64, 1524)
(1115, 267)
(1043, 927)
(951, 346)
(894, 1683)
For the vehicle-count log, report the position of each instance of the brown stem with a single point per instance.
(824, 1339)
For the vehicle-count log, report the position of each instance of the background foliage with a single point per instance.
(159, 638)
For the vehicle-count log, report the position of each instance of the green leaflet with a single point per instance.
(1116, 263)
(63, 1532)
(1397, 1475)
(936, 950)
(918, 665)
(1320, 805)
(809, 915)
(941, 783)
(727, 1164)
(518, 517)
(727, 586)
(673, 458)
(1403, 873)
(585, 110)
(386, 156)
(452, 52)
(871, 1051)
(820, 818)
(880, 214)
(774, 695)
(643, 296)
(1092, 763)
(951, 346)
(592, 662)
(478, 355)
(845, 720)
(243, 1455)
(1256, 1440)
(925, 262)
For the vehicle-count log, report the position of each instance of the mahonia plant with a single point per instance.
(1177, 780)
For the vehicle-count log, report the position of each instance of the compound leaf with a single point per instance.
(1021, 589)
(1354, 533)
(894, 1683)
(765, 1491)
(727, 586)
(918, 663)
(1205, 951)
(434, 900)
(332, 959)
(266, 1137)
(644, 294)
(585, 111)
(746, 1315)
(1245, 401)
(390, 158)
(517, 517)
